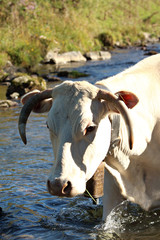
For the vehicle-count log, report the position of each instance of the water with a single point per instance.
(29, 212)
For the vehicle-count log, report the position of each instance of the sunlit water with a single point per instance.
(29, 212)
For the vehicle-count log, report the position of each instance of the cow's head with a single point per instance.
(79, 128)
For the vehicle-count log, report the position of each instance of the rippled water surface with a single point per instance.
(29, 212)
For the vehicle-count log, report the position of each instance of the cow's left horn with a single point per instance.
(27, 108)
(118, 105)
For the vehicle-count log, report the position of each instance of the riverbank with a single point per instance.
(31, 28)
(16, 81)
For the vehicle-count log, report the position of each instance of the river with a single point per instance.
(29, 211)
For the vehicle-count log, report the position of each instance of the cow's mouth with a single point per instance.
(64, 188)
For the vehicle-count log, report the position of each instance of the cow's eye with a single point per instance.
(89, 129)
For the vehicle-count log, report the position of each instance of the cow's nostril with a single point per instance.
(48, 184)
(67, 188)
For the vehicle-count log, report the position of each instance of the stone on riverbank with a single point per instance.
(56, 58)
(148, 38)
(3, 76)
(24, 83)
(7, 103)
(99, 55)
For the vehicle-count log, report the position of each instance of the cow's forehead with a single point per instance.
(75, 102)
(78, 88)
(72, 105)
(75, 98)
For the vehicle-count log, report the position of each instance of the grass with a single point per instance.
(29, 28)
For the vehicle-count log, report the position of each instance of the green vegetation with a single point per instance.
(28, 28)
(71, 74)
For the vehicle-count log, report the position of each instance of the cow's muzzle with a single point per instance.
(60, 188)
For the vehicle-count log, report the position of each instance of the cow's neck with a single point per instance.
(117, 146)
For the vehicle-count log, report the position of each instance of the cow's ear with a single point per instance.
(41, 107)
(129, 98)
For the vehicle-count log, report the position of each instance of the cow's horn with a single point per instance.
(27, 108)
(122, 109)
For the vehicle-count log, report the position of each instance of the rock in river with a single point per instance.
(98, 55)
(24, 83)
(74, 56)
(7, 103)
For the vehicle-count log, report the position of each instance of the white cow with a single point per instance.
(90, 123)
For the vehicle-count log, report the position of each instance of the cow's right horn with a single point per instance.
(27, 108)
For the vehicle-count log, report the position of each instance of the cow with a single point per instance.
(115, 120)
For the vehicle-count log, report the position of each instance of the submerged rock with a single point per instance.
(151, 52)
(71, 74)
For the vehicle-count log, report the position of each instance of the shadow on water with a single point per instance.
(29, 212)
